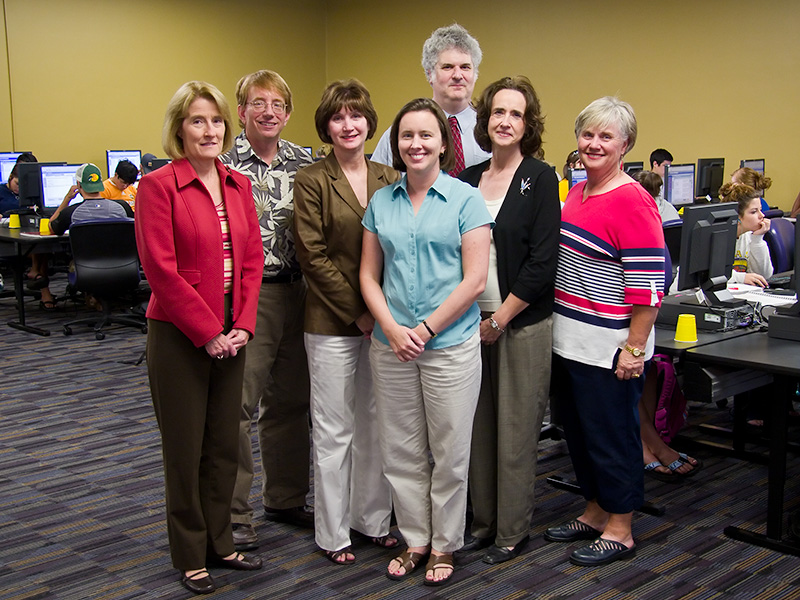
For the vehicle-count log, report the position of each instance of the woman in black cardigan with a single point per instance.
(521, 193)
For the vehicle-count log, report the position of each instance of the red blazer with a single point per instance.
(180, 246)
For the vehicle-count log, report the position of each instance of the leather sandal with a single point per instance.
(440, 561)
(409, 561)
(335, 555)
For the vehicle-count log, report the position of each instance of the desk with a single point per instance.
(781, 359)
(22, 247)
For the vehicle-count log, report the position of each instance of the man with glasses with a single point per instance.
(276, 371)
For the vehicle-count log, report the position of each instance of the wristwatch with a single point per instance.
(633, 350)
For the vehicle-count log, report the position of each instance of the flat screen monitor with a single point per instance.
(7, 162)
(785, 323)
(757, 164)
(576, 176)
(56, 182)
(708, 243)
(710, 174)
(30, 183)
(114, 156)
(679, 184)
(633, 167)
(160, 162)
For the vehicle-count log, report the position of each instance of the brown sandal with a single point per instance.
(441, 561)
(335, 555)
(385, 541)
(408, 561)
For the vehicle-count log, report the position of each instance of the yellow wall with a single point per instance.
(709, 78)
(706, 78)
(89, 75)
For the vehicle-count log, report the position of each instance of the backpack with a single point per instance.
(671, 412)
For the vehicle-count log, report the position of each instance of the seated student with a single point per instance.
(660, 158)
(9, 193)
(652, 182)
(751, 264)
(573, 162)
(93, 207)
(755, 180)
(660, 461)
(120, 185)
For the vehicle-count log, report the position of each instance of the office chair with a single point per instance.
(780, 240)
(106, 265)
(773, 213)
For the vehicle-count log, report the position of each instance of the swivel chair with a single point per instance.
(106, 265)
(780, 241)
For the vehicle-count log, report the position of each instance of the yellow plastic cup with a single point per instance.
(44, 226)
(13, 221)
(686, 331)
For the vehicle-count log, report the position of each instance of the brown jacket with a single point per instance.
(327, 233)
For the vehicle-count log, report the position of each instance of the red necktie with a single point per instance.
(456, 146)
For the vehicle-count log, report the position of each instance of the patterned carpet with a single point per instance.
(82, 507)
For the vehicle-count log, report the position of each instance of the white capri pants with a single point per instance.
(350, 490)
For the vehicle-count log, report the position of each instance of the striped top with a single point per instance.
(227, 251)
(611, 256)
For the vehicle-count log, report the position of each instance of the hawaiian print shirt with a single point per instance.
(273, 187)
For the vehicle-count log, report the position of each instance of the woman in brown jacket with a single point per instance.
(350, 490)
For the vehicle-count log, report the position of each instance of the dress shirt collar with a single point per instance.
(441, 187)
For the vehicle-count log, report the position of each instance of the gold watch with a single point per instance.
(637, 352)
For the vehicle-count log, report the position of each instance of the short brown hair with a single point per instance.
(448, 159)
(348, 94)
(531, 140)
(178, 109)
(650, 181)
(269, 80)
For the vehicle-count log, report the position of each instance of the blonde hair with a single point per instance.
(178, 110)
(605, 111)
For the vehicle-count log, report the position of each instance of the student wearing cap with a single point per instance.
(120, 186)
(89, 184)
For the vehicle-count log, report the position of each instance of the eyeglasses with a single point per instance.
(278, 107)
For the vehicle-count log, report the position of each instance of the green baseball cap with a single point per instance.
(90, 178)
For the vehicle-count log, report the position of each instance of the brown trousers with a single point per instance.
(197, 400)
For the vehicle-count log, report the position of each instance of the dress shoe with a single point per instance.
(571, 532)
(475, 543)
(199, 585)
(601, 552)
(240, 562)
(301, 516)
(498, 554)
(244, 537)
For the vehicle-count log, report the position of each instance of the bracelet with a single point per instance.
(494, 324)
(433, 335)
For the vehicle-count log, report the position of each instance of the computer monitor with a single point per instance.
(757, 164)
(56, 182)
(710, 174)
(785, 323)
(679, 184)
(708, 243)
(160, 162)
(114, 156)
(7, 162)
(30, 183)
(576, 176)
(632, 168)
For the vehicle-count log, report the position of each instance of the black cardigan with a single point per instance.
(526, 236)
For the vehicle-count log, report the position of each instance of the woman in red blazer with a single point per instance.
(200, 246)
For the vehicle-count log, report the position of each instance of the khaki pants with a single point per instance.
(427, 405)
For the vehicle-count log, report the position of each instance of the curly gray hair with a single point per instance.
(444, 38)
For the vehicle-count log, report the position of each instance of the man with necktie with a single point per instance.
(450, 58)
